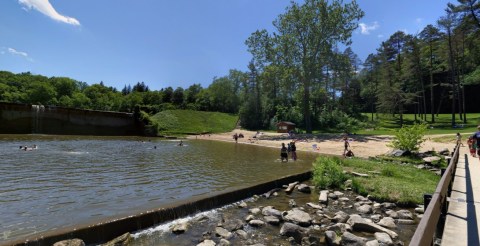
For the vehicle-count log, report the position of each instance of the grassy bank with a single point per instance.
(403, 184)
(386, 124)
(183, 122)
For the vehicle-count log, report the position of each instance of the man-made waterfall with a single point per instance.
(37, 113)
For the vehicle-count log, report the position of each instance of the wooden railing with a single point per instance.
(425, 233)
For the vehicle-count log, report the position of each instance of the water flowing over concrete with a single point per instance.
(39, 119)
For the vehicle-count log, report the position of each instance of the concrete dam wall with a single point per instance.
(38, 119)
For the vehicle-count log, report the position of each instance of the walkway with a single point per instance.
(463, 217)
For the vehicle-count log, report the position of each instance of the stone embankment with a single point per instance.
(327, 217)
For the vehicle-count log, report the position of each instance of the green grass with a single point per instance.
(402, 184)
(183, 122)
(386, 124)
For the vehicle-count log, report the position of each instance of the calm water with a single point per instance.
(82, 180)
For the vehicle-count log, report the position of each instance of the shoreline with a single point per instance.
(363, 146)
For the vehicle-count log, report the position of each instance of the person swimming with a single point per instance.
(181, 143)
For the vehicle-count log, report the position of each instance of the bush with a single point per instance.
(328, 173)
(409, 138)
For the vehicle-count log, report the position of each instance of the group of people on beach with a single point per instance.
(473, 143)
(289, 150)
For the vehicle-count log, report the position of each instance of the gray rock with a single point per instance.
(365, 209)
(332, 196)
(392, 214)
(242, 205)
(255, 210)
(223, 233)
(340, 217)
(340, 228)
(256, 223)
(272, 220)
(298, 217)
(371, 227)
(349, 239)
(270, 211)
(355, 218)
(242, 234)
(180, 228)
(304, 188)
(122, 240)
(372, 243)
(224, 242)
(405, 222)
(343, 199)
(376, 218)
(405, 214)
(323, 198)
(338, 193)
(313, 205)
(383, 238)
(331, 238)
(291, 187)
(387, 222)
(292, 230)
(249, 217)
(207, 243)
(420, 209)
(388, 205)
(292, 203)
(70, 242)
(233, 224)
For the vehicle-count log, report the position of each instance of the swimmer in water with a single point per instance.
(181, 143)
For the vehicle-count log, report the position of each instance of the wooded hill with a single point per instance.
(299, 74)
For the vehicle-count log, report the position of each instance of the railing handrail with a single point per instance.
(425, 232)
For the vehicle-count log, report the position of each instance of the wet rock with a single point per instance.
(340, 217)
(223, 233)
(372, 243)
(70, 242)
(242, 234)
(361, 199)
(270, 211)
(224, 242)
(256, 223)
(272, 220)
(387, 222)
(405, 214)
(292, 203)
(233, 224)
(207, 243)
(122, 240)
(405, 222)
(291, 187)
(376, 218)
(392, 214)
(249, 217)
(365, 209)
(355, 218)
(180, 228)
(420, 209)
(332, 196)
(323, 198)
(371, 227)
(271, 193)
(292, 230)
(349, 239)
(242, 205)
(304, 188)
(313, 205)
(383, 238)
(331, 238)
(340, 228)
(255, 210)
(298, 217)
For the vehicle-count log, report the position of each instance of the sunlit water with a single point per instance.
(72, 180)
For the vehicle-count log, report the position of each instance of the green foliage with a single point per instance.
(328, 173)
(180, 122)
(409, 138)
(338, 120)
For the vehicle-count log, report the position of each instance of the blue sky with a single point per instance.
(166, 43)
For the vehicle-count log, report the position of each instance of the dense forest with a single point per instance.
(305, 72)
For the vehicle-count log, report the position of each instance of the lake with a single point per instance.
(79, 180)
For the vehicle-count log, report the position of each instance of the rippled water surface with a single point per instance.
(72, 180)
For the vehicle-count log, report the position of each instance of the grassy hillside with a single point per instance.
(180, 122)
(387, 124)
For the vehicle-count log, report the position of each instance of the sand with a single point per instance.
(362, 146)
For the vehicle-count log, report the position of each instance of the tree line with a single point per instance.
(305, 72)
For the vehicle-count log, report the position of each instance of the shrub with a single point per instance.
(409, 138)
(328, 173)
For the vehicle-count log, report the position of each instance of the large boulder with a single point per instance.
(292, 230)
(387, 222)
(298, 217)
(180, 227)
(349, 239)
(340, 217)
(383, 238)
(233, 224)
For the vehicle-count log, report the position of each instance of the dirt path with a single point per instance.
(361, 145)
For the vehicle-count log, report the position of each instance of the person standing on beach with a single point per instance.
(346, 145)
(283, 153)
(476, 139)
(459, 139)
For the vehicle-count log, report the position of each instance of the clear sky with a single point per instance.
(166, 43)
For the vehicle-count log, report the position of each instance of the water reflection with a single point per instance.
(72, 180)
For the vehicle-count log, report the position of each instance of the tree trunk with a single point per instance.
(432, 102)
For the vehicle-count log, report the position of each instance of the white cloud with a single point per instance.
(365, 29)
(15, 52)
(44, 7)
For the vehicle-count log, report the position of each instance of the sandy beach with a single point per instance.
(362, 145)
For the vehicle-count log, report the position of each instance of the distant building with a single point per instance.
(285, 126)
